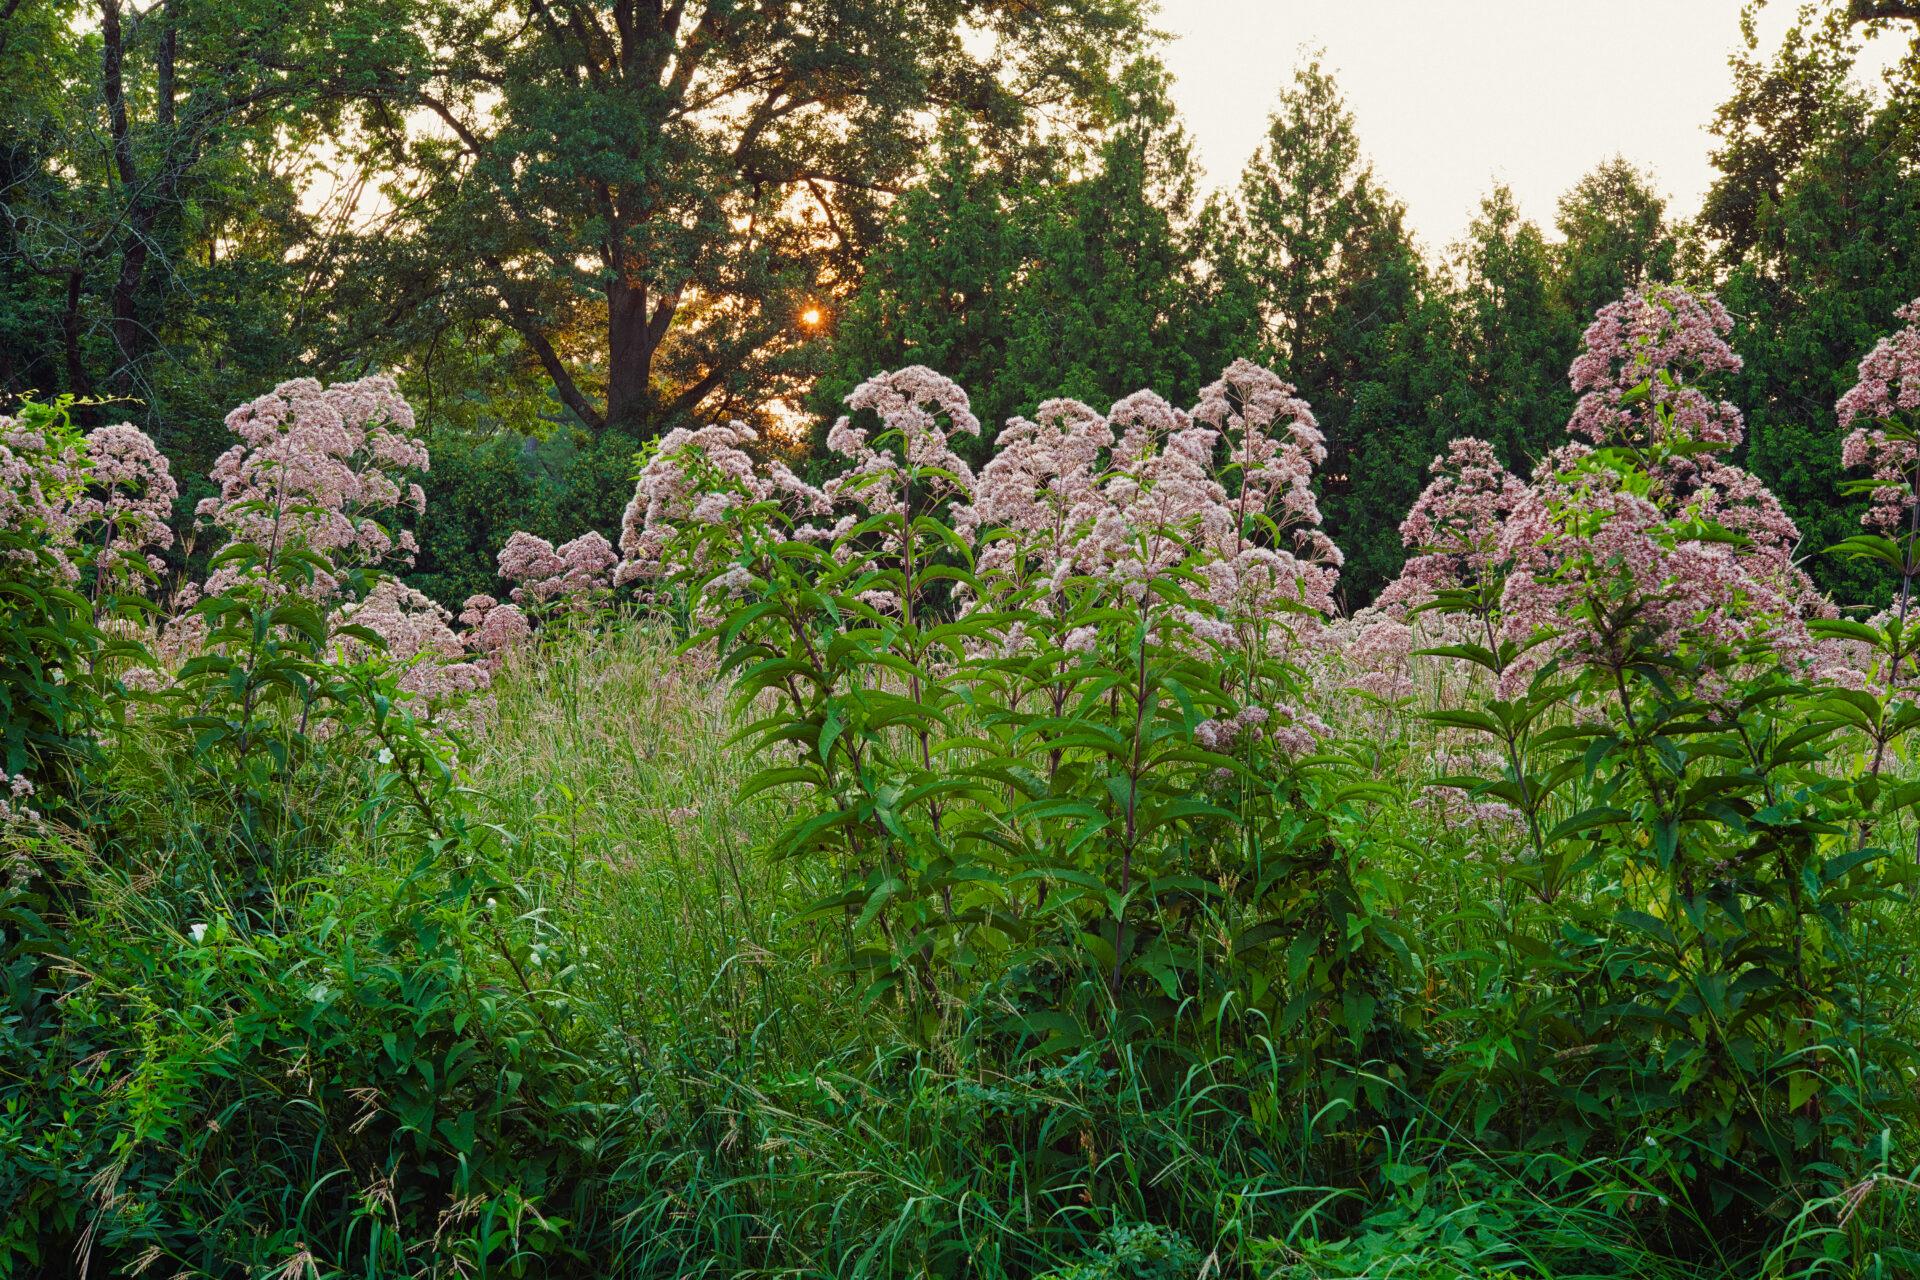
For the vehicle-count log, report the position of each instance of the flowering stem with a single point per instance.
(1133, 797)
(1515, 758)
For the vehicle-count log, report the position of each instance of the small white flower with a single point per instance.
(385, 756)
(199, 932)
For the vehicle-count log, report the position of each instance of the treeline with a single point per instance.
(569, 226)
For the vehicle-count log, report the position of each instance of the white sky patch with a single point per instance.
(1452, 96)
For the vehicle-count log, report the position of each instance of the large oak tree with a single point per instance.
(654, 194)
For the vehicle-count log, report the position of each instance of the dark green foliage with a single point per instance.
(1819, 214)
(1086, 278)
(154, 189)
(1351, 315)
(483, 488)
(1616, 237)
(1517, 335)
(213, 1060)
(478, 492)
(681, 182)
(47, 633)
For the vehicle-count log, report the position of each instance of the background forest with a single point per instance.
(571, 231)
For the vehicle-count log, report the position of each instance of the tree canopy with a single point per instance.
(572, 224)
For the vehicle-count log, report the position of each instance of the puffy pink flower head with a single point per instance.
(1289, 729)
(565, 578)
(1888, 390)
(1375, 653)
(1273, 443)
(417, 636)
(1618, 570)
(911, 460)
(1126, 499)
(1666, 340)
(1455, 525)
(124, 509)
(324, 467)
(494, 628)
(1161, 491)
(694, 476)
(15, 791)
(1889, 382)
(1041, 487)
(1035, 506)
(40, 478)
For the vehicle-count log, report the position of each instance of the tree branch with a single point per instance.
(528, 327)
(1882, 10)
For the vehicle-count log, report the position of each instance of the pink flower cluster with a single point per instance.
(1134, 495)
(1655, 344)
(493, 628)
(321, 467)
(911, 465)
(697, 477)
(560, 579)
(39, 480)
(1456, 756)
(15, 791)
(1374, 653)
(905, 469)
(1039, 494)
(1888, 390)
(102, 500)
(1667, 545)
(416, 634)
(1290, 730)
(1454, 527)
(1221, 497)
(1204, 522)
(1620, 557)
(1272, 445)
(124, 509)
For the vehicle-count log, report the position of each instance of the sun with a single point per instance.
(811, 317)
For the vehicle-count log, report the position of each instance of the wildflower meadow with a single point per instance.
(862, 640)
(1022, 868)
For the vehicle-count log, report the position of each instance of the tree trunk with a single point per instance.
(77, 381)
(630, 348)
(128, 336)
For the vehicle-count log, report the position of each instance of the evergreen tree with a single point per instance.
(1616, 237)
(1112, 300)
(938, 288)
(1817, 215)
(1349, 312)
(1517, 337)
(1086, 277)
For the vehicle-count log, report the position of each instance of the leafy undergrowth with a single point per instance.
(792, 1129)
(618, 1044)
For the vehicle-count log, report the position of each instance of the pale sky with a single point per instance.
(1451, 96)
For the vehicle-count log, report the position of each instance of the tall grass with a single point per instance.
(773, 1124)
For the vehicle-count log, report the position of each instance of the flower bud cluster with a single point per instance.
(417, 634)
(124, 509)
(563, 579)
(1888, 389)
(1638, 370)
(323, 468)
(39, 478)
